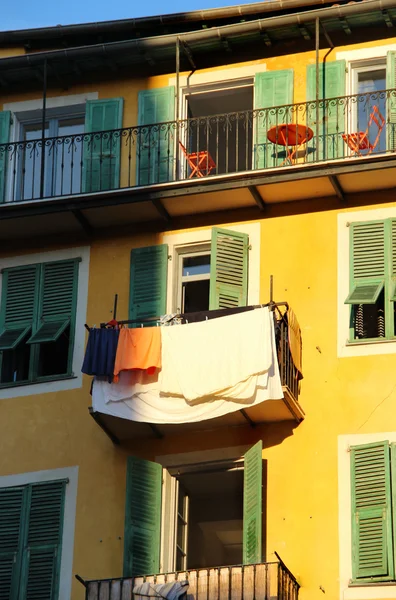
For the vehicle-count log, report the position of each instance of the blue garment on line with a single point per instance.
(100, 353)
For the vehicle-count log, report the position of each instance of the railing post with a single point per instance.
(317, 85)
(42, 171)
(177, 91)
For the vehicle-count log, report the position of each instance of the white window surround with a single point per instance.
(56, 102)
(347, 592)
(362, 348)
(176, 241)
(70, 473)
(222, 75)
(359, 57)
(81, 311)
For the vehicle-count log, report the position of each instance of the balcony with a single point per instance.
(120, 428)
(147, 173)
(271, 580)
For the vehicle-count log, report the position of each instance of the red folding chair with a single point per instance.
(201, 163)
(360, 141)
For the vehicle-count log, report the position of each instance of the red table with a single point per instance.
(290, 136)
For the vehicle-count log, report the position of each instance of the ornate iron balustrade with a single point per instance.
(226, 143)
(289, 374)
(266, 581)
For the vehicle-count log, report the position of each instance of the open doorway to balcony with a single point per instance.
(210, 519)
(219, 122)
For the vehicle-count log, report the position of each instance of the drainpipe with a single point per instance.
(43, 130)
(324, 80)
(317, 22)
(177, 92)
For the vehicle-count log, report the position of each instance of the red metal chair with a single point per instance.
(360, 141)
(201, 163)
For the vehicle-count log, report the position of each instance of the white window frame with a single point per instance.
(29, 389)
(364, 591)
(189, 250)
(346, 349)
(24, 111)
(177, 242)
(377, 64)
(69, 518)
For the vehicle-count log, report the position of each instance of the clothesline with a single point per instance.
(185, 316)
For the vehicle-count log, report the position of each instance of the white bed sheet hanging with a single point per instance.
(137, 396)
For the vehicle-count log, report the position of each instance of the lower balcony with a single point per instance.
(122, 421)
(265, 581)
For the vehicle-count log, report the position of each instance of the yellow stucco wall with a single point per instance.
(338, 395)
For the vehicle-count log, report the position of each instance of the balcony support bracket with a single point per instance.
(162, 210)
(83, 221)
(248, 419)
(96, 417)
(337, 187)
(257, 197)
(156, 431)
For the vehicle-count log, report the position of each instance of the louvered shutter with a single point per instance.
(18, 304)
(271, 89)
(393, 259)
(372, 549)
(149, 268)
(228, 269)
(331, 114)
(367, 262)
(43, 541)
(142, 517)
(11, 502)
(391, 100)
(57, 300)
(5, 153)
(253, 504)
(155, 144)
(102, 152)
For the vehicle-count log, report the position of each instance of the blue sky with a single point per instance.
(23, 14)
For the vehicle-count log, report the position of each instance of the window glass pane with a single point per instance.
(15, 363)
(30, 161)
(66, 176)
(53, 356)
(371, 81)
(196, 265)
(195, 296)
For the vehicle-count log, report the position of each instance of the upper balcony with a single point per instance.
(333, 147)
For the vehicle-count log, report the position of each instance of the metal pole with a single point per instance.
(271, 289)
(317, 116)
(43, 130)
(177, 91)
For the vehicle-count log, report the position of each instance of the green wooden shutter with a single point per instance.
(391, 108)
(149, 270)
(253, 504)
(272, 88)
(331, 114)
(102, 153)
(43, 541)
(155, 145)
(367, 262)
(142, 517)
(372, 546)
(57, 300)
(228, 269)
(5, 122)
(11, 502)
(18, 304)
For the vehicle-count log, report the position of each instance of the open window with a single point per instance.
(193, 516)
(220, 123)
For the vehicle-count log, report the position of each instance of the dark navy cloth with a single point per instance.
(100, 353)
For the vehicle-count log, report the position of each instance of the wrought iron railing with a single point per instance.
(225, 143)
(265, 581)
(289, 375)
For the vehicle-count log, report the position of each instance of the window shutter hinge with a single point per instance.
(169, 257)
(347, 224)
(250, 247)
(349, 448)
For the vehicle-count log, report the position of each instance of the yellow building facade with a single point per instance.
(302, 214)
